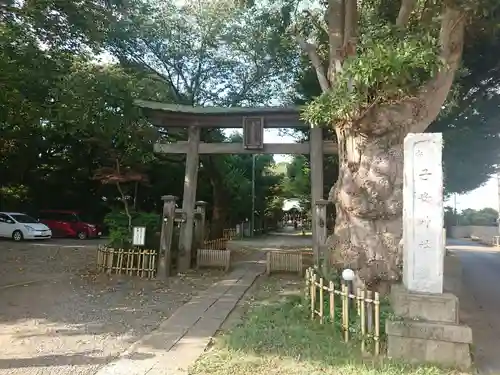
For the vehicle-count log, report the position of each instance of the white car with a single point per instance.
(22, 227)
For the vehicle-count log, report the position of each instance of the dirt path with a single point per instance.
(68, 320)
(75, 321)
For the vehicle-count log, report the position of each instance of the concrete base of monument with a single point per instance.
(424, 306)
(427, 329)
(419, 341)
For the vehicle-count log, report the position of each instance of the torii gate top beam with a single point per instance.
(175, 115)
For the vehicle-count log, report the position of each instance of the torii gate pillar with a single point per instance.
(189, 199)
(316, 161)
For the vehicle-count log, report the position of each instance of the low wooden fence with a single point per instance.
(132, 262)
(288, 261)
(229, 234)
(214, 254)
(143, 262)
(218, 244)
(213, 258)
(284, 261)
(363, 322)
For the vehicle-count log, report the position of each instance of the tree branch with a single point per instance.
(350, 26)
(196, 81)
(336, 22)
(433, 94)
(178, 93)
(310, 49)
(314, 21)
(405, 10)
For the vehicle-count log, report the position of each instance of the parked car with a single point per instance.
(66, 223)
(20, 227)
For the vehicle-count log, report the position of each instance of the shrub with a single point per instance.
(121, 237)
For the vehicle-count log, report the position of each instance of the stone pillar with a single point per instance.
(423, 216)
(427, 328)
(321, 229)
(167, 231)
(316, 164)
(189, 198)
(201, 208)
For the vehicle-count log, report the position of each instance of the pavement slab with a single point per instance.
(179, 341)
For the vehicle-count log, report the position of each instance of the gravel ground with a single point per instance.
(75, 321)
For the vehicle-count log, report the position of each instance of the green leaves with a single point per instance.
(210, 53)
(63, 25)
(386, 69)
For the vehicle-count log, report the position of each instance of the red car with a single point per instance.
(65, 223)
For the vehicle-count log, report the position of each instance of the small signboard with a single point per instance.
(253, 133)
(139, 237)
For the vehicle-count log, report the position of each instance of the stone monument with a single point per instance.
(427, 327)
(423, 216)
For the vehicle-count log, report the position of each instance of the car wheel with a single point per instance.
(82, 235)
(17, 236)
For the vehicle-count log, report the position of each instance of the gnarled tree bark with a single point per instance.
(368, 193)
(368, 198)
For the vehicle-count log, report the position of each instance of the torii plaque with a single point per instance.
(253, 133)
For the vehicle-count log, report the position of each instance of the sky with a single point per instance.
(482, 197)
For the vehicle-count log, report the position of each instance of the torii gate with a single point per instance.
(252, 121)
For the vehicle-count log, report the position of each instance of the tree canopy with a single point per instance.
(70, 133)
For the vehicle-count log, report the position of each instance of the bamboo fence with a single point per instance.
(217, 244)
(213, 258)
(214, 253)
(229, 234)
(132, 262)
(284, 261)
(364, 321)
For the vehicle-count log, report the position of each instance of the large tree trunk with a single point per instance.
(368, 193)
(368, 199)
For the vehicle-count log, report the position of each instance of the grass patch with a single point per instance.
(277, 337)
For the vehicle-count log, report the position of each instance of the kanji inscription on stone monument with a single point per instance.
(253, 133)
(423, 216)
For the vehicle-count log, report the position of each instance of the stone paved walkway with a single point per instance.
(179, 341)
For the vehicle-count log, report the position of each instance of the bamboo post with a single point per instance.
(345, 314)
(129, 262)
(363, 321)
(307, 290)
(377, 323)
(358, 301)
(110, 255)
(369, 313)
(152, 262)
(313, 296)
(142, 262)
(331, 289)
(120, 261)
(321, 300)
